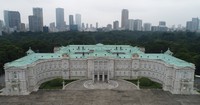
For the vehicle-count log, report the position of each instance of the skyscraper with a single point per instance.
(6, 18)
(71, 20)
(72, 26)
(195, 24)
(131, 24)
(22, 27)
(162, 26)
(37, 18)
(34, 24)
(138, 25)
(109, 27)
(78, 21)
(116, 25)
(124, 19)
(1, 27)
(97, 25)
(162, 23)
(147, 27)
(60, 22)
(12, 19)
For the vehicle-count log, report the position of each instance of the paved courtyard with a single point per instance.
(124, 94)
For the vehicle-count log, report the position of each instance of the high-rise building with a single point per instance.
(45, 29)
(131, 24)
(72, 26)
(154, 28)
(22, 27)
(71, 20)
(91, 26)
(116, 25)
(138, 25)
(162, 26)
(34, 25)
(78, 21)
(87, 26)
(36, 20)
(52, 27)
(83, 26)
(1, 24)
(189, 25)
(147, 27)
(1, 27)
(193, 25)
(60, 22)
(6, 18)
(97, 25)
(124, 19)
(162, 23)
(109, 27)
(12, 19)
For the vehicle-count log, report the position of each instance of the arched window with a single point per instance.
(14, 75)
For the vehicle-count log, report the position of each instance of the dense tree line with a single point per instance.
(185, 45)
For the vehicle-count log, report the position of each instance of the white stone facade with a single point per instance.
(26, 79)
(22, 81)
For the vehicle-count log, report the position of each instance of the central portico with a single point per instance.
(101, 69)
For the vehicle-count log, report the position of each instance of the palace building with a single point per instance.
(98, 63)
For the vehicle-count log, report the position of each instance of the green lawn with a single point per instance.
(146, 83)
(54, 84)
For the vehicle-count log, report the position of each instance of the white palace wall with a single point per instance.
(24, 80)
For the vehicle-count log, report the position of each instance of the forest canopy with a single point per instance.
(184, 45)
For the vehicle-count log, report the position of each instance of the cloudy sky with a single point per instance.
(106, 11)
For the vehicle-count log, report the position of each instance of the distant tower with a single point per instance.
(116, 25)
(1, 27)
(147, 27)
(38, 12)
(52, 27)
(162, 23)
(138, 25)
(83, 26)
(124, 19)
(71, 20)
(91, 26)
(131, 24)
(33, 24)
(97, 25)
(78, 21)
(12, 19)
(72, 26)
(60, 22)
(162, 26)
(36, 20)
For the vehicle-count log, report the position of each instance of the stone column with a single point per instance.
(103, 76)
(108, 76)
(93, 77)
(98, 76)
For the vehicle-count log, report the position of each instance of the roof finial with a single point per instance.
(30, 51)
(168, 52)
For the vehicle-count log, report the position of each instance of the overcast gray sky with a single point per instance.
(106, 11)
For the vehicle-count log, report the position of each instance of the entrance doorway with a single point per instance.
(105, 78)
(100, 78)
(95, 77)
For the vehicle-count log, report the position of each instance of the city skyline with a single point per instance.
(103, 12)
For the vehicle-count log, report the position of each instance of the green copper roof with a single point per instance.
(98, 50)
